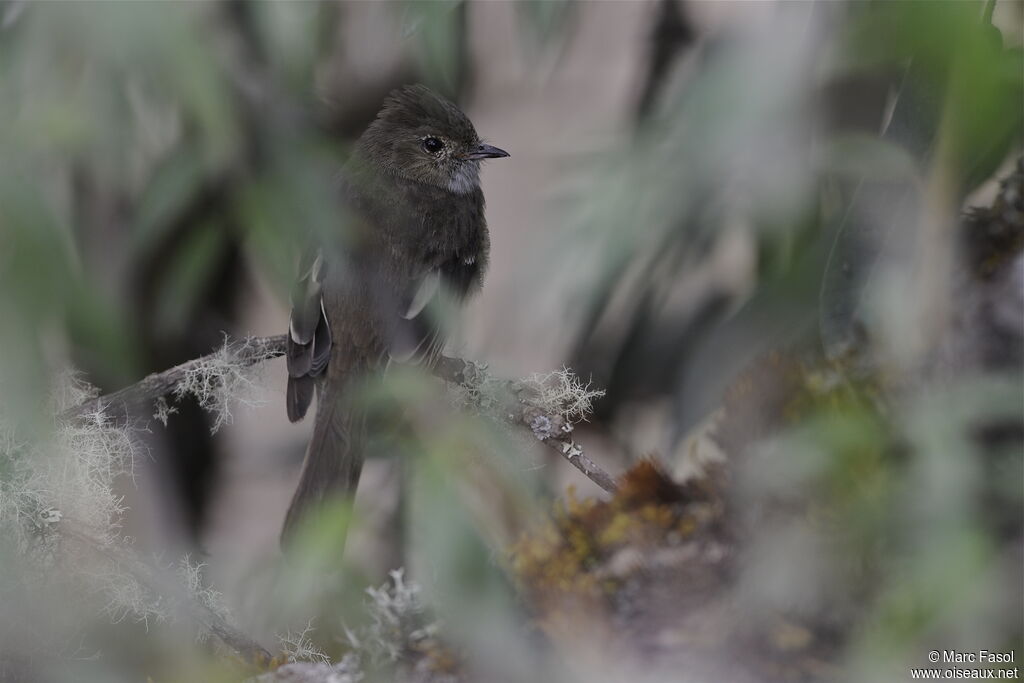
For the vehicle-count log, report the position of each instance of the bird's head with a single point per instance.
(421, 136)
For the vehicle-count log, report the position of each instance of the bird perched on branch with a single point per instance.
(411, 193)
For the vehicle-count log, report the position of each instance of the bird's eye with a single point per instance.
(432, 145)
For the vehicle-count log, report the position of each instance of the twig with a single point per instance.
(119, 405)
(552, 430)
(573, 452)
(243, 646)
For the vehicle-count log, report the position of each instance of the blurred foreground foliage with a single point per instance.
(775, 262)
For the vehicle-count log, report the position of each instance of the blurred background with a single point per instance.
(783, 237)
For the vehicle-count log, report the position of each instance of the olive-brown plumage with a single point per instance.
(416, 228)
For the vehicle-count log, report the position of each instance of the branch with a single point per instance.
(519, 406)
(521, 410)
(119, 406)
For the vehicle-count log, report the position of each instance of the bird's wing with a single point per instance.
(419, 336)
(309, 334)
(425, 292)
(416, 335)
(306, 296)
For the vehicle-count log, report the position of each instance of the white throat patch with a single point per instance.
(466, 178)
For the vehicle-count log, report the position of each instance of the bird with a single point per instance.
(410, 193)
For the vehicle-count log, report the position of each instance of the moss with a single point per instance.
(433, 656)
(564, 567)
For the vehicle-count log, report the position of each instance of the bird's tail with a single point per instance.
(334, 457)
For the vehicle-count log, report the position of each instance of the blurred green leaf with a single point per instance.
(438, 29)
(36, 257)
(858, 155)
(286, 30)
(546, 21)
(175, 183)
(188, 277)
(105, 340)
(314, 580)
(461, 573)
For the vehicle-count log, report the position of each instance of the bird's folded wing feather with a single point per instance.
(306, 297)
(309, 334)
(417, 336)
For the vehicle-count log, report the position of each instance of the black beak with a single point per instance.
(486, 152)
